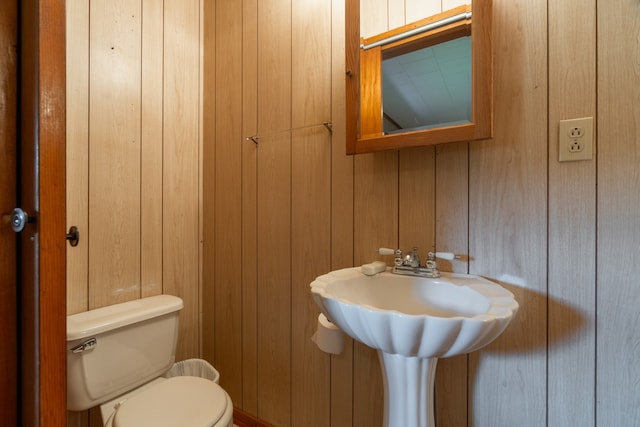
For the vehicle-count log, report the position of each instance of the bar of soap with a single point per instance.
(374, 268)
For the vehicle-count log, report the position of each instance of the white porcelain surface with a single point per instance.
(135, 343)
(415, 316)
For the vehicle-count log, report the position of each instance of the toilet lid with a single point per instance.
(178, 401)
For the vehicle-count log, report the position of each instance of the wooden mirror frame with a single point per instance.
(363, 85)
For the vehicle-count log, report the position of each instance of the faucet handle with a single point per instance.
(397, 253)
(431, 261)
(445, 255)
(386, 251)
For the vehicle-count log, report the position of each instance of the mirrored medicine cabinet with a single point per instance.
(424, 83)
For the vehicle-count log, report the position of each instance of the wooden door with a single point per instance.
(41, 183)
(8, 290)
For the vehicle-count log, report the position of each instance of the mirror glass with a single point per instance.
(428, 87)
(427, 82)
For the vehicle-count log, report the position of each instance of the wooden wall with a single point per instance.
(293, 206)
(272, 215)
(133, 155)
(617, 292)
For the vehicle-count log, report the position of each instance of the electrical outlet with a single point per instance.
(576, 146)
(576, 132)
(575, 139)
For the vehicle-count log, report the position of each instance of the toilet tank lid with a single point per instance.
(99, 320)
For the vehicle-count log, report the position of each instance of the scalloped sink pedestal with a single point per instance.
(413, 321)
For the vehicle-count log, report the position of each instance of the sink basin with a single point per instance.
(413, 321)
(415, 316)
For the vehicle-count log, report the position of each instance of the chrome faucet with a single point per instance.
(410, 263)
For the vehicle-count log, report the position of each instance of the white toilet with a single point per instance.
(116, 358)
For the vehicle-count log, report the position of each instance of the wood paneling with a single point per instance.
(374, 18)
(418, 9)
(249, 208)
(77, 51)
(508, 220)
(618, 229)
(274, 212)
(375, 198)
(114, 151)
(208, 158)
(416, 182)
(227, 301)
(341, 215)
(180, 166)
(274, 279)
(152, 96)
(452, 235)
(572, 230)
(310, 196)
(133, 155)
(311, 240)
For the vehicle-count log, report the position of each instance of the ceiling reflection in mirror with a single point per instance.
(427, 88)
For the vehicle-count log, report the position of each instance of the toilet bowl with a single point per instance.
(117, 357)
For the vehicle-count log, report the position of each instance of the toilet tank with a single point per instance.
(114, 349)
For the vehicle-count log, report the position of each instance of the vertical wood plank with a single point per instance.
(114, 152)
(151, 149)
(373, 17)
(180, 159)
(572, 225)
(310, 237)
(452, 204)
(208, 268)
(507, 226)
(201, 175)
(397, 15)
(450, 4)
(310, 196)
(274, 280)
(77, 75)
(274, 65)
(416, 200)
(311, 54)
(341, 214)
(452, 235)
(375, 226)
(618, 296)
(249, 207)
(375, 204)
(274, 212)
(418, 9)
(228, 197)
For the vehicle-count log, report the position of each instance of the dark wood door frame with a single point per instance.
(43, 296)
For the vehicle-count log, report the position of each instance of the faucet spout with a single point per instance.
(410, 263)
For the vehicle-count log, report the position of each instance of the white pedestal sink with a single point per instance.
(413, 321)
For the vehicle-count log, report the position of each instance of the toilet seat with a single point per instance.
(177, 401)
